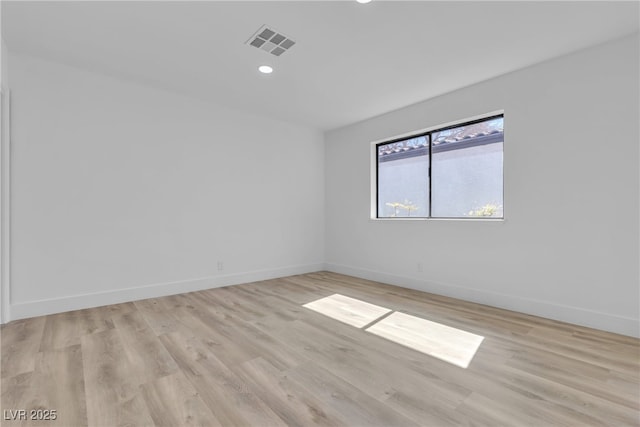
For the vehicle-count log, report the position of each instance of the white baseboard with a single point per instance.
(78, 302)
(578, 316)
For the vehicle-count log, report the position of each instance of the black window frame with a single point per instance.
(438, 148)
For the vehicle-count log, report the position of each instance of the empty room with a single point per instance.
(331, 213)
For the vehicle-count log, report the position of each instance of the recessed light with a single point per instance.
(363, 1)
(265, 69)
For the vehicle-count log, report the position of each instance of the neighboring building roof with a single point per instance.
(487, 132)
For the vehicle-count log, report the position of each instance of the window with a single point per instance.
(451, 172)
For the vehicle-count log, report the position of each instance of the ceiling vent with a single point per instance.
(271, 41)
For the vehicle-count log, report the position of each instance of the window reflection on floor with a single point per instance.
(444, 342)
(347, 310)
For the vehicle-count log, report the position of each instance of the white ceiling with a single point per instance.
(351, 61)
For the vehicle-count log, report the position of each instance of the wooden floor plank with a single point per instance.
(226, 395)
(19, 357)
(111, 384)
(292, 403)
(22, 330)
(60, 331)
(172, 401)
(355, 407)
(378, 372)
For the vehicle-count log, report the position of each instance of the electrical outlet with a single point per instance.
(419, 267)
(220, 265)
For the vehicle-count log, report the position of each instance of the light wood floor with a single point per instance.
(252, 355)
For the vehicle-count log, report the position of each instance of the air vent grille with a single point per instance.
(271, 41)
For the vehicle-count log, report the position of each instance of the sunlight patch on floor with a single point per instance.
(347, 310)
(452, 345)
(446, 343)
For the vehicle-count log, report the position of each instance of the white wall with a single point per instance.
(569, 247)
(123, 192)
